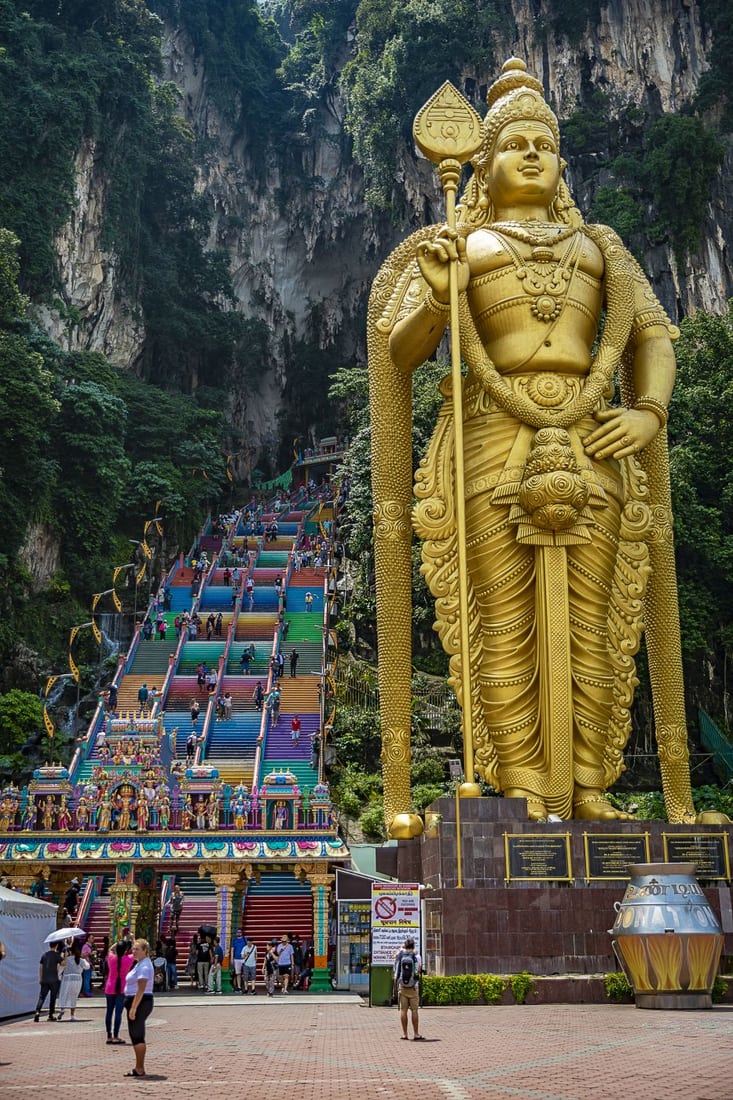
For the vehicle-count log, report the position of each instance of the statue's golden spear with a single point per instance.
(447, 131)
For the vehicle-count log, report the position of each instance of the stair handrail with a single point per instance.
(262, 739)
(88, 894)
(166, 889)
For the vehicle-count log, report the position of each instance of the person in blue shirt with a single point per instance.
(236, 953)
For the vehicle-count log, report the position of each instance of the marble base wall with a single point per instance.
(548, 928)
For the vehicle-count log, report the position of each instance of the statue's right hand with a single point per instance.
(434, 259)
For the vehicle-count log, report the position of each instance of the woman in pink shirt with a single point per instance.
(119, 961)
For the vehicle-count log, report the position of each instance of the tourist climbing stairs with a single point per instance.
(199, 908)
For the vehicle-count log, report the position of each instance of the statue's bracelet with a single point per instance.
(438, 308)
(650, 404)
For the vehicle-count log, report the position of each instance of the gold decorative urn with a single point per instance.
(667, 938)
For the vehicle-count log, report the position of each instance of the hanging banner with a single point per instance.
(50, 730)
(117, 602)
(395, 916)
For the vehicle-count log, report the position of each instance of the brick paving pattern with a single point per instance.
(320, 1047)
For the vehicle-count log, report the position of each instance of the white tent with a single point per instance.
(24, 924)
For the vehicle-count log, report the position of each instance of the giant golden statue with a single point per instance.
(543, 501)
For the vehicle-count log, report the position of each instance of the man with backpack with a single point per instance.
(407, 969)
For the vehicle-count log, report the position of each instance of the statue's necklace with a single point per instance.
(543, 278)
(537, 234)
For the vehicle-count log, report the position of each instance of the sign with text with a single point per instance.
(395, 916)
(608, 855)
(541, 856)
(708, 851)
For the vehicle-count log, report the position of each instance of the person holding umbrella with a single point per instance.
(73, 968)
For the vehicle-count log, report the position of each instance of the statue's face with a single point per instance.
(525, 167)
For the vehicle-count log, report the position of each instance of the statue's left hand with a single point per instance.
(622, 432)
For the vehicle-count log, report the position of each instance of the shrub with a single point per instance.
(492, 987)
(462, 989)
(618, 988)
(521, 986)
(720, 988)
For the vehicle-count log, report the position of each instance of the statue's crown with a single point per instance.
(515, 96)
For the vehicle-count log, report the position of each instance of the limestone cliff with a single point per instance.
(303, 252)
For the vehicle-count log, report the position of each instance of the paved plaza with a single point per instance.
(321, 1047)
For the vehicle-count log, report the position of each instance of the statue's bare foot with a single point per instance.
(536, 809)
(589, 805)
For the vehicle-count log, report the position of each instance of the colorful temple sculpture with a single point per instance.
(199, 776)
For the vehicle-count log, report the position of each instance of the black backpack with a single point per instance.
(408, 968)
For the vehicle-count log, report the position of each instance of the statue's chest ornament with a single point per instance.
(544, 278)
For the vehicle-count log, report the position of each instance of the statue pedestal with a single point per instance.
(502, 924)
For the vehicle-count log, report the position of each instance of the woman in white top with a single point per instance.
(139, 1002)
(73, 968)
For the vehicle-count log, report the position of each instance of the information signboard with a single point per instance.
(538, 856)
(395, 916)
(708, 851)
(608, 855)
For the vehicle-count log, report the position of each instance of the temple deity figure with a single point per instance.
(63, 817)
(563, 494)
(104, 813)
(82, 814)
(48, 812)
(212, 810)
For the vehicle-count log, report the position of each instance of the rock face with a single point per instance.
(93, 312)
(304, 264)
(40, 554)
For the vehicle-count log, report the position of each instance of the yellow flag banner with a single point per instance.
(50, 730)
(95, 599)
(49, 683)
(97, 634)
(141, 573)
(116, 601)
(72, 635)
(74, 668)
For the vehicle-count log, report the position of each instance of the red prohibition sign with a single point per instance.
(385, 908)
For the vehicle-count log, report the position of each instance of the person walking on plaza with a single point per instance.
(407, 968)
(171, 969)
(74, 967)
(285, 962)
(294, 658)
(203, 963)
(236, 963)
(119, 962)
(249, 968)
(217, 958)
(87, 952)
(295, 730)
(139, 1002)
(270, 967)
(48, 977)
(309, 601)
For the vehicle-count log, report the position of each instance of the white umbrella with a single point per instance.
(64, 934)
